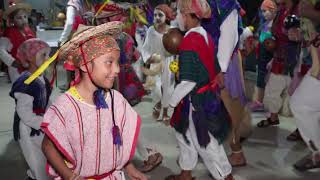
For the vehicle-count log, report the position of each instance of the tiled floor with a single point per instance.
(269, 155)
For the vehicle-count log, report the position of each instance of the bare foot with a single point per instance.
(156, 111)
(237, 159)
(153, 161)
(184, 175)
(229, 177)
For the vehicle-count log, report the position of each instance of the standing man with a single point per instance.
(225, 28)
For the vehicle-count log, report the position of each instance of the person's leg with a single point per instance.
(188, 155)
(156, 97)
(272, 99)
(305, 108)
(236, 112)
(167, 80)
(188, 158)
(257, 104)
(214, 156)
(31, 150)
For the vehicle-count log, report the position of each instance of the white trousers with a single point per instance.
(31, 149)
(305, 106)
(213, 156)
(276, 86)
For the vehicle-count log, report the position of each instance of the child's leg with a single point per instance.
(214, 155)
(272, 100)
(236, 112)
(156, 110)
(188, 158)
(31, 149)
(188, 155)
(215, 159)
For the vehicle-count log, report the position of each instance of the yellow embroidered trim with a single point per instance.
(74, 92)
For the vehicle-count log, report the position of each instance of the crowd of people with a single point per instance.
(114, 55)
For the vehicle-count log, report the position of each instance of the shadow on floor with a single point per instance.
(12, 163)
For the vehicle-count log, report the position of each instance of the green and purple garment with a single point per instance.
(196, 64)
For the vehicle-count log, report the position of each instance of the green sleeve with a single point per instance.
(188, 66)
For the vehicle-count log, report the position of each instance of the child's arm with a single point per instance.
(24, 109)
(56, 159)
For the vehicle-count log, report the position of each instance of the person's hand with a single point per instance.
(294, 34)
(220, 79)
(134, 174)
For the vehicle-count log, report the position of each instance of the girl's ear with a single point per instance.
(89, 65)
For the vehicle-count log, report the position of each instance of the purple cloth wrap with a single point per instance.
(232, 80)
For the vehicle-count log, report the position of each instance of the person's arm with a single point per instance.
(5, 47)
(181, 90)
(71, 13)
(56, 160)
(228, 40)
(24, 110)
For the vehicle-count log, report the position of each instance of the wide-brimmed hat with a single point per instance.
(108, 10)
(17, 6)
(90, 42)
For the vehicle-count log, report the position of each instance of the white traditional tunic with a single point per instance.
(153, 45)
(31, 145)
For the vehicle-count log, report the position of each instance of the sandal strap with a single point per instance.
(237, 152)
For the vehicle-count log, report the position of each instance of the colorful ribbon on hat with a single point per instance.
(134, 12)
(42, 68)
(101, 8)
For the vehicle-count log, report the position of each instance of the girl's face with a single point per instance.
(20, 19)
(159, 17)
(268, 15)
(105, 69)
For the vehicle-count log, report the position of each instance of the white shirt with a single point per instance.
(228, 40)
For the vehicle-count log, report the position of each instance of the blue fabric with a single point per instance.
(220, 10)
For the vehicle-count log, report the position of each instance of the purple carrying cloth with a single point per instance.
(232, 80)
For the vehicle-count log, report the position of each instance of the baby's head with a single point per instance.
(32, 53)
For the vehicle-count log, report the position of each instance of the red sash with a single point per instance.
(277, 67)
